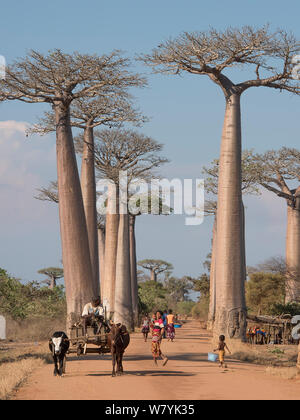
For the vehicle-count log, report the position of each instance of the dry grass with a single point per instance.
(17, 362)
(12, 375)
(284, 373)
(268, 355)
(14, 352)
(34, 329)
(25, 350)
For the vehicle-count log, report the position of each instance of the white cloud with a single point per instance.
(26, 163)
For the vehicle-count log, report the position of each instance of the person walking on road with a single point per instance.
(221, 349)
(157, 328)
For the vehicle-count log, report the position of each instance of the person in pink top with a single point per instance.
(157, 328)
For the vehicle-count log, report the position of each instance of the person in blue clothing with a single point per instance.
(165, 321)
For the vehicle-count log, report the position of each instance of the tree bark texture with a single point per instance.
(212, 279)
(88, 187)
(111, 244)
(133, 268)
(74, 237)
(230, 318)
(293, 250)
(123, 298)
(101, 250)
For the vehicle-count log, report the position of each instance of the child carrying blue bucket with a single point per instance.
(212, 357)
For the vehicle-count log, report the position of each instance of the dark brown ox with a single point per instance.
(118, 339)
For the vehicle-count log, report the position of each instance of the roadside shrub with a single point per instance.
(21, 301)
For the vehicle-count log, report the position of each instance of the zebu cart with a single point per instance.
(95, 340)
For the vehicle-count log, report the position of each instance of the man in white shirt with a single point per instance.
(93, 312)
(93, 308)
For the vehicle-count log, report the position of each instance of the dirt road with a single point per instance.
(188, 375)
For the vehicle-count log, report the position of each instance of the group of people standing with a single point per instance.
(161, 326)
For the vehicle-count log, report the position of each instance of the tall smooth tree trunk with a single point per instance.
(153, 275)
(133, 268)
(244, 262)
(212, 279)
(88, 187)
(74, 236)
(111, 244)
(52, 283)
(293, 250)
(123, 298)
(101, 249)
(230, 318)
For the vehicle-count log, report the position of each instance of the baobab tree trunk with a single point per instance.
(230, 318)
(293, 250)
(153, 275)
(111, 244)
(212, 279)
(74, 236)
(101, 250)
(88, 187)
(52, 283)
(123, 299)
(133, 268)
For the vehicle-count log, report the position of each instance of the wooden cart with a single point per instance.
(92, 342)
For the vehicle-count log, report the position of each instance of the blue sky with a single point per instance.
(186, 115)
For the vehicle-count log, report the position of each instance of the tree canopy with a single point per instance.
(277, 171)
(213, 52)
(156, 267)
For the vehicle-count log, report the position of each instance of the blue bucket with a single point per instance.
(177, 326)
(212, 357)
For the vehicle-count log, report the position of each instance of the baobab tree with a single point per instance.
(49, 193)
(278, 171)
(249, 186)
(137, 156)
(58, 78)
(155, 267)
(111, 108)
(118, 150)
(213, 54)
(53, 274)
(149, 201)
(101, 248)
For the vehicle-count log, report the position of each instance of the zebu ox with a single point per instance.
(59, 345)
(118, 339)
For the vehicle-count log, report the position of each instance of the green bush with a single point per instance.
(185, 308)
(21, 301)
(152, 296)
(292, 308)
(263, 291)
(200, 310)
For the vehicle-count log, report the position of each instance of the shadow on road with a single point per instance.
(147, 373)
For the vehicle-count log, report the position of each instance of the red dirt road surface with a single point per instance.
(187, 375)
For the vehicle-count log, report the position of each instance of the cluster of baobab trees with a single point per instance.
(85, 91)
(277, 171)
(213, 53)
(115, 151)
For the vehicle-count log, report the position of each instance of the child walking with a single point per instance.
(146, 327)
(221, 349)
